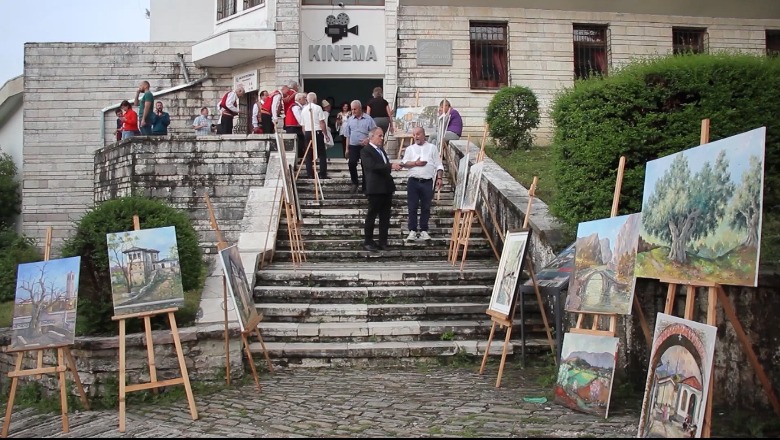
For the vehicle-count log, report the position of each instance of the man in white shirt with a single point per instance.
(256, 128)
(315, 119)
(424, 176)
(228, 107)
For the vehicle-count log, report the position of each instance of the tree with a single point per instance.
(683, 208)
(9, 190)
(40, 295)
(511, 115)
(745, 209)
(117, 244)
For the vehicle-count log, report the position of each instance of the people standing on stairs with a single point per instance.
(293, 122)
(423, 161)
(356, 131)
(315, 122)
(327, 107)
(454, 127)
(129, 120)
(145, 101)
(379, 189)
(379, 109)
(341, 122)
(228, 107)
(160, 120)
(118, 132)
(276, 105)
(202, 124)
(256, 123)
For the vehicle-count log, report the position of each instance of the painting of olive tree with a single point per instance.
(145, 272)
(45, 304)
(701, 213)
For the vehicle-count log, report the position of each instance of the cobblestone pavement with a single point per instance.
(435, 401)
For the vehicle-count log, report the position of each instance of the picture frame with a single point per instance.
(460, 182)
(237, 283)
(502, 300)
(471, 193)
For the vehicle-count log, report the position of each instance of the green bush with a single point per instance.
(653, 108)
(15, 249)
(10, 199)
(95, 306)
(511, 115)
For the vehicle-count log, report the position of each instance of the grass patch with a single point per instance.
(6, 313)
(449, 335)
(435, 430)
(524, 165)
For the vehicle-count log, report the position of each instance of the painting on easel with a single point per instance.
(408, 118)
(604, 280)
(557, 273)
(701, 213)
(586, 372)
(238, 285)
(678, 378)
(460, 186)
(45, 304)
(145, 272)
(471, 193)
(512, 256)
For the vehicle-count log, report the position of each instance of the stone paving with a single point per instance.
(415, 401)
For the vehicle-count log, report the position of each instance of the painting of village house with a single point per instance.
(238, 286)
(45, 304)
(586, 372)
(145, 273)
(604, 278)
(515, 246)
(701, 213)
(678, 378)
(407, 118)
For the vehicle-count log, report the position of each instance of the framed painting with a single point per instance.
(238, 286)
(471, 193)
(678, 378)
(45, 304)
(460, 183)
(604, 280)
(296, 199)
(408, 118)
(144, 269)
(701, 213)
(557, 273)
(284, 172)
(586, 372)
(509, 268)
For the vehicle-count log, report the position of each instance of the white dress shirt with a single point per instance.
(426, 152)
(306, 114)
(232, 102)
(276, 104)
(296, 109)
(255, 110)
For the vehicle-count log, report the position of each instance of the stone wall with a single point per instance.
(288, 41)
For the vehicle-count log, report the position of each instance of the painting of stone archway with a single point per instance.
(678, 378)
(701, 213)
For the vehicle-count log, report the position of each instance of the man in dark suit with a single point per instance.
(379, 188)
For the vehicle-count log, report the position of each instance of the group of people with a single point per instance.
(150, 120)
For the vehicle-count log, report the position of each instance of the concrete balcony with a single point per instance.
(233, 47)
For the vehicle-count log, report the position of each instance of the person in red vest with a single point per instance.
(280, 101)
(228, 107)
(294, 124)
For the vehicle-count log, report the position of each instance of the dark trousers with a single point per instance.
(225, 125)
(354, 158)
(321, 155)
(298, 131)
(145, 130)
(419, 194)
(378, 205)
(267, 123)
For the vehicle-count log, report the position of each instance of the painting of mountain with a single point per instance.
(586, 371)
(556, 273)
(678, 378)
(603, 280)
(701, 213)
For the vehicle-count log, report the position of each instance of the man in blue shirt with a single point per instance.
(160, 120)
(356, 132)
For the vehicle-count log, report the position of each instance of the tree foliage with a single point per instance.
(511, 115)
(10, 199)
(744, 212)
(15, 249)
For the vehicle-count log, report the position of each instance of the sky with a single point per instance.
(39, 21)
(56, 273)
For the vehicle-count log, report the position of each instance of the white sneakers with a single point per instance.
(415, 236)
(423, 236)
(412, 236)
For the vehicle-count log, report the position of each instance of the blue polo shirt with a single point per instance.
(357, 128)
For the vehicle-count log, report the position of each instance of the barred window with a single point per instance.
(591, 50)
(252, 3)
(346, 2)
(689, 40)
(773, 43)
(225, 8)
(488, 49)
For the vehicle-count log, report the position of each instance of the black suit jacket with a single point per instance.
(376, 173)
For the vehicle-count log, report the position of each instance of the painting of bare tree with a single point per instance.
(701, 213)
(510, 267)
(145, 272)
(45, 304)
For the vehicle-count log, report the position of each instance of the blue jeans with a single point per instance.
(128, 134)
(419, 194)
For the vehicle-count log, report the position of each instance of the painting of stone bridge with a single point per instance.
(586, 371)
(678, 378)
(701, 213)
(605, 254)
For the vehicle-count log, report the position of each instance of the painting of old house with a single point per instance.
(408, 118)
(701, 213)
(238, 286)
(509, 268)
(586, 371)
(678, 378)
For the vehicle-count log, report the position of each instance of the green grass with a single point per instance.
(6, 313)
(524, 165)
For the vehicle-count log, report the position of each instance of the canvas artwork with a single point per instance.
(45, 304)
(678, 378)
(557, 273)
(238, 285)
(471, 194)
(284, 173)
(701, 213)
(145, 272)
(296, 199)
(460, 186)
(586, 371)
(407, 118)
(604, 280)
(509, 268)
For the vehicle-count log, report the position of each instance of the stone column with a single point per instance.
(288, 41)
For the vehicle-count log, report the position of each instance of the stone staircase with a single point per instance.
(348, 306)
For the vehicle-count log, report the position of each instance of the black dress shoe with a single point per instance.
(324, 178)
(370, 247)
(383, 246)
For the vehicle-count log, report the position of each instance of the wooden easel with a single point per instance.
(65, 362)
(716, 294)
(153, 383)
(251, 327)
(291, 210)
(505, 321)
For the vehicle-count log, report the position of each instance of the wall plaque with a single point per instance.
(434, 52)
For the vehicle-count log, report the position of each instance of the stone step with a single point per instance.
(408, 254)
(373, 294)
(395, 241)
(396, 221)
(360, 212)
(349, 201)
(350, 313)
(309, 232)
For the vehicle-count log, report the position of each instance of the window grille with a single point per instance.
(225, 8)
(773, 43)
(346, 2)
(488, 49)
(689, 41)
(591, 50)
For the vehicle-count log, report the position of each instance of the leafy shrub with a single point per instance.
(10, 199)
(95, 306)
(511, 115)
(14, 250)
(653, 108)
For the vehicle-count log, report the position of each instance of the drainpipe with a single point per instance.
(183, 67)
(155, 94)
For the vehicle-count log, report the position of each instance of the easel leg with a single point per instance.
(250, 360)
(122, 371)
(63, 390)
(487, 348)
(183, 366)
(72, 366)
(541, 305)
(467, 226)
(150, 351)
(227, 330)
(10, 405)
(265, 351)
(503, 355)
(454, 236)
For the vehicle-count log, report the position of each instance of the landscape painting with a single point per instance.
(678, 378)
(284, 173)
(557, 273)
(145, 272)
(460, 183)
(408, 118)
(238, 286)
(701, 213)
(45, 304)
(586, 371)
(509, 268)
(471, 194)
(604, 280)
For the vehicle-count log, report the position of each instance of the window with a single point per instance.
(591, 51)
(252, 3)
(773, 43)
(346, 2)
(488, 49)
(225, 8)
(689, 40)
